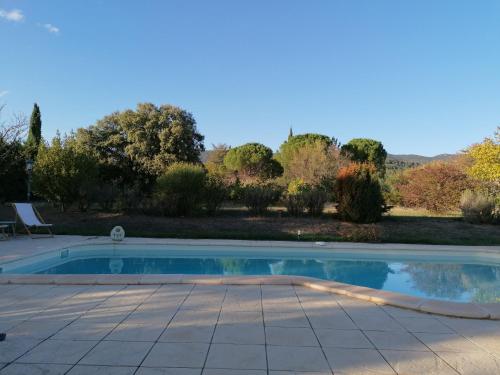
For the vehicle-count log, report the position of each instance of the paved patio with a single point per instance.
(225, 329)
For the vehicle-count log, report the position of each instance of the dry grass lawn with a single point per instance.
(398, 226)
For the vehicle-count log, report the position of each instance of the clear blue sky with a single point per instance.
(421, 76)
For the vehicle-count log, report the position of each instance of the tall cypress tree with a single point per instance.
(35, 132)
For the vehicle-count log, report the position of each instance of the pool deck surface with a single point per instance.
(194, 328)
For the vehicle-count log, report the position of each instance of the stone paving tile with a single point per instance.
(219, 371)
(168, 371)
(292, 358)
(444, 342)
(117, 353)
(37, 329)
(291, 336)
(243, 333)
(84, 330)
(288, 307)
(145, 315)
(430, 325)
(300, 373)
(57, 351)
(357, 361)
(12, 348)
(395, 340)
(35, 369)
(188, 333)
(130, 314)
(7, 323)
(102, 370)
(245, 298)
(472, 363)
(191, 326)
(205, 297)
(278, 291)
(471, 326)
(417, 363)
(240, 317)
(343, 338)
(177, 355)
(335, 319)
(375, 319)
(107, 314)
(488, 342)
(286, 319)
(64, 312)
(229, 356)
(136, 332)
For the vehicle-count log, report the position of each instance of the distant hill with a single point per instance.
(403, 161)
(419, 158)
(394, 161)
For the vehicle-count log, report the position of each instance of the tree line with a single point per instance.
(149, 160)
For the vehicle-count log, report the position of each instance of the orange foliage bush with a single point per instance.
(436, 186)
(359, 195)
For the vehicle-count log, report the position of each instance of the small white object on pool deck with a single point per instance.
(117, 233)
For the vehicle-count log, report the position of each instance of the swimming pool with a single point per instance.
(462, 277)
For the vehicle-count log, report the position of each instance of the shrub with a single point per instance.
(131, 198)
(179, 190)
(301, 196)
(436, 186)
(215, 192)
(477, 207)
(315, 198)
(359, 195)
(258, 197)
(295, 201)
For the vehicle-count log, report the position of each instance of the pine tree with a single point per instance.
(290, 133)
(35, 132)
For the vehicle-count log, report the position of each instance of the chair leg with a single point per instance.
(28, 230)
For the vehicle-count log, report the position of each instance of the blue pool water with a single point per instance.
(465, 279)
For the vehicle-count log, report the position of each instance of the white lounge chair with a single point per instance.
(30, 218)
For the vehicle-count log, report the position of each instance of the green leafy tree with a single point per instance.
(294, 143)
(139, 145)
(364, 150)
(315, 164)
(12, 160)
(34, 133)
(252, 161)
(61, 171)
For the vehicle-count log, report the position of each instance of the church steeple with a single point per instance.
(290, 133)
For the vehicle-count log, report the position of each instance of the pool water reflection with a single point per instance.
(448, 281)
